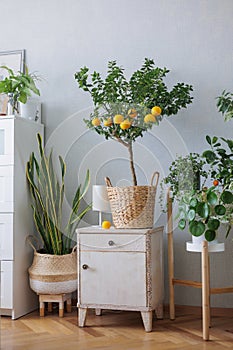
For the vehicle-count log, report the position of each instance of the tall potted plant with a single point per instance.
(54, 268)
(123, 111)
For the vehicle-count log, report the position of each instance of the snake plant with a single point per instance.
(47, 193)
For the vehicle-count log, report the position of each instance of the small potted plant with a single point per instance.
(185, 174)
(123, 111)
(18, 86)
(205, 209)
(54, 267)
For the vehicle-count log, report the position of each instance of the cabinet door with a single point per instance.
(6, 141)
(6, 188)
(6, 236)
(6, 284)
(113, 278)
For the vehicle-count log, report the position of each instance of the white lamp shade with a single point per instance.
(100, 201)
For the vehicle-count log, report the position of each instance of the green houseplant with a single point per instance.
(185, 174)
(18, 86)
(204, 210)
(54, 269)
(125, 109)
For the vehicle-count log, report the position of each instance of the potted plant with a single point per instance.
(18, 86)
(54, 268)
(205, 209)
(123, 111)
(185, 174)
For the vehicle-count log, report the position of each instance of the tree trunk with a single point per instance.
(130, 148)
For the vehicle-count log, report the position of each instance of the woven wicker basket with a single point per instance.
(133, 206)
(53, 274)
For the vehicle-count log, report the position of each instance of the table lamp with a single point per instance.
(100, 201)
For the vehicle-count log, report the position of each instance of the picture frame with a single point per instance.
(14, 60)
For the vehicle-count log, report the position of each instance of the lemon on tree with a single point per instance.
(95, 122)
(108, 122)
(132, 113)
(149, 118)
(156, 110)
(118, 118)
(125, 124)
(134, 105)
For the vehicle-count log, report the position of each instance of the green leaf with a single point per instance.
(210, 235)
(220, 210)
(227, 197)
(210, 156)
(203, 210)
(208, 139)
(196, 228)
(215, 139)
(212, 198)
(191, 214)
(213, 224)
(193, 202)
(182, 224)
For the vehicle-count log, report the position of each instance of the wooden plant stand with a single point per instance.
(204, 249)
(55, 298)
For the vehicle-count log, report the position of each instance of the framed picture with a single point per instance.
(15, 61)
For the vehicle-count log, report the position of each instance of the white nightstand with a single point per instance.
(120, 269)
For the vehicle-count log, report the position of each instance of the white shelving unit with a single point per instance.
(17, 141)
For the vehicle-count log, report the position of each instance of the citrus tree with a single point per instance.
(125, 109)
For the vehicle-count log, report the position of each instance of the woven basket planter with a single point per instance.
(53, 274)
(133, 206)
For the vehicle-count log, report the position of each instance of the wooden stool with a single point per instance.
(55, 298)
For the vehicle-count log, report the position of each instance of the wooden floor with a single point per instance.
(116, 330)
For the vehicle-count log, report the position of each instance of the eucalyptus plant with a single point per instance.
(47, 192)
(125, 109)
(18, 86)
(185, 174)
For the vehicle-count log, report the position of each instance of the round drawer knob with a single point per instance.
(85, 266)
(111, 243)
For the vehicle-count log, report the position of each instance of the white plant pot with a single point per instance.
(31, 109)
(200, 239)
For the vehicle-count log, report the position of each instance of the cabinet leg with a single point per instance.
(82, 313)
(61, 309)
(147, 320)
(42, 309)
(50, 307)
(98, 312)
(68, 305)
(159, 311)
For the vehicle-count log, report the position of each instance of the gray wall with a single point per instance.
(193, 38)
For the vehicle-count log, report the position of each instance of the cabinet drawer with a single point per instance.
(6, 236)
(6, 141)
(6, 188)
(112, 242)
(6, 284)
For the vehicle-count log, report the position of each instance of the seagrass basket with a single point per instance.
(53, 274)
(133, 206)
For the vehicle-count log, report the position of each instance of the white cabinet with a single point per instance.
(122, 270)
(17, 141)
